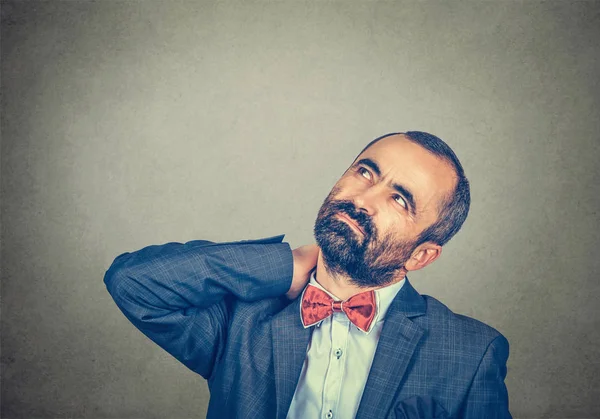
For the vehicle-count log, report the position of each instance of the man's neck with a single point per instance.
(340, 285)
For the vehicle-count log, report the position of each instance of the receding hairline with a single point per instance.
(403, 136)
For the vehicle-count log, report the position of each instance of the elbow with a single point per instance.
(116, 278)
(122, 287)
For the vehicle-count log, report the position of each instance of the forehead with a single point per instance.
(402, 161)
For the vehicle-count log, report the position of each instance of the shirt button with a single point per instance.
(329, 415)
(338, 353)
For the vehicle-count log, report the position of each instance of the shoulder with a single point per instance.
(442, 323)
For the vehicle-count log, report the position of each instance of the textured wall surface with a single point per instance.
(126, 124)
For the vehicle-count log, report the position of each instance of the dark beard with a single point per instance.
(368, 261)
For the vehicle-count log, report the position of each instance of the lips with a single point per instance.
(350, 222)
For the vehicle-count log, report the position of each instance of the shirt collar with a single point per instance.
(383, 296)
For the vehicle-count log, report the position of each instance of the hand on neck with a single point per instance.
(340, 285)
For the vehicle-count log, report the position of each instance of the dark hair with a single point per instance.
(455, 207)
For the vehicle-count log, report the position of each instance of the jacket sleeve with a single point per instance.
(180, 295)
(487, 396)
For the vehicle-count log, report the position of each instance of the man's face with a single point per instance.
(368, 225)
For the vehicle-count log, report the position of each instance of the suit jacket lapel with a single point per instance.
(290, 342)
(397, 343)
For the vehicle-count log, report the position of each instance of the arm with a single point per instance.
(488, 397)
(179, 295)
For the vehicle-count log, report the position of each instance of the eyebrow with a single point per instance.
(399, 188)
(371, 164)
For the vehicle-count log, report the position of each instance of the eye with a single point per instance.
(364, 173)
(400, 200)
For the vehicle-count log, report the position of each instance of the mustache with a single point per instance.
(348, 208)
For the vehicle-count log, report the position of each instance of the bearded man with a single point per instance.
(333, 330)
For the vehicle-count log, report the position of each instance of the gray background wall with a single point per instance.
(133, 123)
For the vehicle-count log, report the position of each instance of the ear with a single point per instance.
(422, 256)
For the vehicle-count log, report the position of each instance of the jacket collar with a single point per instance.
(397, 343)
(290, 343)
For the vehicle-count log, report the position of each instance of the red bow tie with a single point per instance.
(318, 305)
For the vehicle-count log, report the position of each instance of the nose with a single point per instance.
(366, 201)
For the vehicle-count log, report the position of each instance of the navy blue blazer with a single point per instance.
(220, 309)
